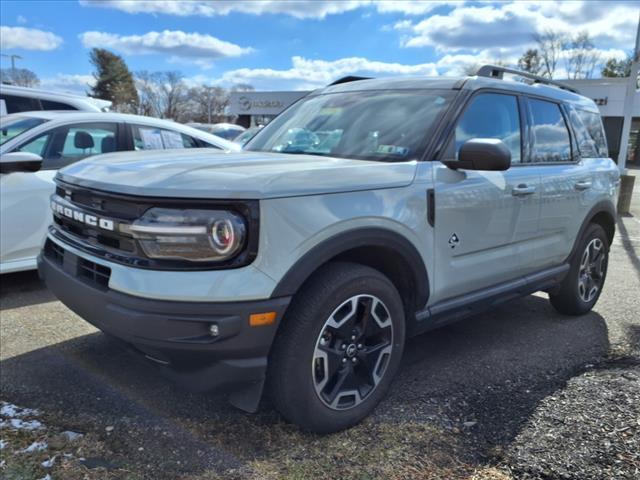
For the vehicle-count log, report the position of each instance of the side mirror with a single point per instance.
(482, 154)
(20, 162)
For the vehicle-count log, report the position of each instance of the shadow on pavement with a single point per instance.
(489, 371)
(628, 246)
(22, 289)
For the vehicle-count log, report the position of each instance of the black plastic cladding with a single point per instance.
(248, 209)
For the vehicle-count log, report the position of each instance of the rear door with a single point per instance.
(485, 222)
(566, 181)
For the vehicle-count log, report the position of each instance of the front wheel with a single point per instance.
(339, 348)
(583, 285)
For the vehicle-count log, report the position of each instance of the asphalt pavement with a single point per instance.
(482, 380)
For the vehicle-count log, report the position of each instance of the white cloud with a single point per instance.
(21, 19)
(512, 25)
(180, 46)
(27, 39)
(78, 84)
(301, 9)
(296, 8)
(305, 73)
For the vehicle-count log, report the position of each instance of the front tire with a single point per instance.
(339, 348)
(583, 285)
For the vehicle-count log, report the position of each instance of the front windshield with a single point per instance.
(12, 127)
(368, 125)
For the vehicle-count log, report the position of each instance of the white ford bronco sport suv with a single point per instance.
(369, 211)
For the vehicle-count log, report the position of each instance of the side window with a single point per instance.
(490, 115)
(17, 104)
(551, 140)
(586, 145)
(38, 145)
(51, 105)
(152, 138)
(208, 145)
(593, 124)
(66, 145)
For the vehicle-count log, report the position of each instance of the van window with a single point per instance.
(16, 104)
(490, 115)
(51, 105)
(66, 145)
(593, 123)
(551, 140)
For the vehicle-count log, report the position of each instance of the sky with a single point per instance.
(294, 44)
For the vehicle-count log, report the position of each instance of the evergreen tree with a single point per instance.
(530, 62)
(114, 81)
(617, 68)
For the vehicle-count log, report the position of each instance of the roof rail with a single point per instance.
(348, 79)
(495, 71)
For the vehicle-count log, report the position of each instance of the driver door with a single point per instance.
(485, 221)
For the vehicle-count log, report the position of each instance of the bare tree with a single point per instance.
(162, 94)
(581, 57)
(19, 76)
(208, 103)
(550, 46)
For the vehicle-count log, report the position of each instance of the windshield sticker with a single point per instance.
(393, 150)
(151, 138)
(172, 139)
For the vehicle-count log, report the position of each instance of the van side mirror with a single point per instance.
(482, 154)
(20, 162)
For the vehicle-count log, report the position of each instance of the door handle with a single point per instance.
(582, 185)
(523, 190)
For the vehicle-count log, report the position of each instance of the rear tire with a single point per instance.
(583, 284)
(338, 349)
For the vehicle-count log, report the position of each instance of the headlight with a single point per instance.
(193, 235)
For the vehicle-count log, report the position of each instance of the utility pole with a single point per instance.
(13, 60)
(632, 86)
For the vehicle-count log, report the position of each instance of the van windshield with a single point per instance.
(368, 125)
(12, 127)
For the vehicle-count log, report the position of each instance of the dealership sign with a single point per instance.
(262, 103)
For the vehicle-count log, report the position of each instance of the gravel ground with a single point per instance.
(518, 392)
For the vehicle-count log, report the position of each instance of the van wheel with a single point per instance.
(582, 286)
(338, 349)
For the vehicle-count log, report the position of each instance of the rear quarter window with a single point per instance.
(593, 124)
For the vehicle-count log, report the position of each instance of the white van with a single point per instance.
(14, 99)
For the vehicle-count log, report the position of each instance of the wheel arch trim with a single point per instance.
(372, 237)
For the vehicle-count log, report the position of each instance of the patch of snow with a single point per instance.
(13, 411)
(37, 446)
(47, 477)
(3, 444)
(18, 424)
(49, 463)
(71, 436)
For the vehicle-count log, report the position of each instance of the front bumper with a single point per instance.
(174, 335)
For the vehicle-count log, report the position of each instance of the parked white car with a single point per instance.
(52, 140)
(14, 99)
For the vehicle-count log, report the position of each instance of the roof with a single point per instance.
(460, 83)
(51, 94)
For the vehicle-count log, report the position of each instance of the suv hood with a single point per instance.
(243, 175)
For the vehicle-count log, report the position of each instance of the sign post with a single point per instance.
(628, 104)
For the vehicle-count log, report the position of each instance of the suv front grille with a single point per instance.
(92, 273)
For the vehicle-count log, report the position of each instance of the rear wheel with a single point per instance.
(583, 285)
(339, 348)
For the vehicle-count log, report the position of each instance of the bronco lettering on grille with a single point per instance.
(79, 216)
